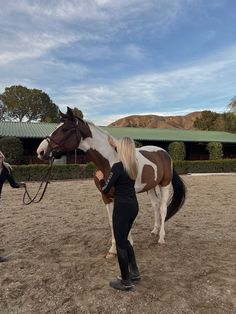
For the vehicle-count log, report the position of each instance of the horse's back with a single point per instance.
(155, 168)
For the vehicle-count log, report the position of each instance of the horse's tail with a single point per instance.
(178, 198)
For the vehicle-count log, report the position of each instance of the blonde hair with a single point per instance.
(126, 153)
(9, 168)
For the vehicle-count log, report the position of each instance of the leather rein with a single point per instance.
(45, 181)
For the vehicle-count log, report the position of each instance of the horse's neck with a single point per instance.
(98, 150)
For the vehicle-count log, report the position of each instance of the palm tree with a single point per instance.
(232, 105)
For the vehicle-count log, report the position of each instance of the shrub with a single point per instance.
(12, 148)
(215, 150)
(205, 166)
(59, 172)
(75, 171)
(138, 144)
(177, 150)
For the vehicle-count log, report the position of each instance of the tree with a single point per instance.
(21, 103)
(78, 113)
(212, 121)
(232, 105)
(229, 120)
(2, 110)
(206, 121)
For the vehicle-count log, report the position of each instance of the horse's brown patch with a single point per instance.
(148, 177)
(107, 197)
(84, 128)
(99, 160)
(162, 162)
(103, 165)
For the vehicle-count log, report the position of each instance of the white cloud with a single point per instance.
(92, 54)
(155, 92)
(32, 29)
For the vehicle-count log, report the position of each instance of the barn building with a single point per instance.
(31, 134)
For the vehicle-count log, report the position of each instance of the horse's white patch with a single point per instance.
(99, 142)
(42, 148)
(44, 145)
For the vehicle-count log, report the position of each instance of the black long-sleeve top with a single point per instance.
(7, 175)
(124, 185)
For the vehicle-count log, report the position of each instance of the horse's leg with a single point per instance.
(165, 194)
(152, 194)
(112, 251)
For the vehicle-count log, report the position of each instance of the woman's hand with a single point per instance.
(99, 175)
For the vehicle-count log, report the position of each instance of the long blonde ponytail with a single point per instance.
(126, 153)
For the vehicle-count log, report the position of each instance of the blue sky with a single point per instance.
(114, 58)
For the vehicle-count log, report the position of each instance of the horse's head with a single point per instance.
(65, 138)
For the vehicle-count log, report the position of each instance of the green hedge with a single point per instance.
(63, 172)
(59, 172)
(205, 166)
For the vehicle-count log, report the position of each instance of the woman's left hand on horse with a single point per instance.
(99, 175)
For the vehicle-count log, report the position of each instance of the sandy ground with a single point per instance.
(57, 253)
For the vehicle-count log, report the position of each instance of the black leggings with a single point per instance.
(124, 214)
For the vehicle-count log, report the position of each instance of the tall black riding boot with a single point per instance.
(133, 267)
(125, 282)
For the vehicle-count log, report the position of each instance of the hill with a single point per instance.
(162, 122)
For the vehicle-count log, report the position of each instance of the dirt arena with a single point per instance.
(57, 253)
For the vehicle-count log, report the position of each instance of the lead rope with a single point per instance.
(46, 181)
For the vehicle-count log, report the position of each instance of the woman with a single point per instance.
(122, 177)
(6, 174)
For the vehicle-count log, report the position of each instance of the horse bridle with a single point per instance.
(50, 140)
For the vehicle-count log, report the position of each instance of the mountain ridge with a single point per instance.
(184, 122)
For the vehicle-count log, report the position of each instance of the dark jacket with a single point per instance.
(124, 185)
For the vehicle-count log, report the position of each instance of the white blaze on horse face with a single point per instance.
(142, 161)
(42, 149)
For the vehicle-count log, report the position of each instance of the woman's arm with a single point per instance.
(11, 180)
(110, 182)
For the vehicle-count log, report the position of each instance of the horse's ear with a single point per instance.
(62, 115)
(70, 113)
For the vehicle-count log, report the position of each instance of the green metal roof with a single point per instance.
(41, 130)
(172, 134)
(26, 129)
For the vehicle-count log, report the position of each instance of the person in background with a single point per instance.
(122, 177)
(6, 174)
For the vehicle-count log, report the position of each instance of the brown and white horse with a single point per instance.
(156, 175)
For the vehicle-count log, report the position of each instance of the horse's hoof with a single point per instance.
(110, 255)
(154, 232)
(161, 241)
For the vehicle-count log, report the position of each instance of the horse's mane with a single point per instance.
(97, 127)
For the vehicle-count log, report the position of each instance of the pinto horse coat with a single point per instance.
(156, 175)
